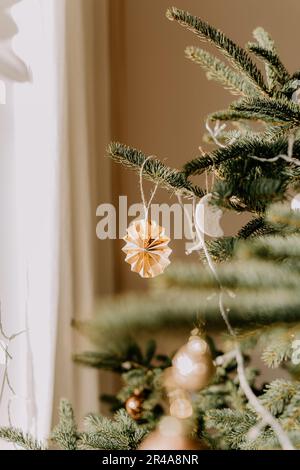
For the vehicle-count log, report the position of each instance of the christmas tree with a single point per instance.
(243, 290)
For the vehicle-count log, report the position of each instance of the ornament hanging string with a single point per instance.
(145, 203)
(146, 246)
(207, 186)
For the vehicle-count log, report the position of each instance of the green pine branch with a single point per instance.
(153, 170)
(231, 275)
(127, 354)
(120, 433)
(290, 87)
(252, 193)
(279, 111)
(265, 41)
(281, 398)
(220, 72)
(237, 55)
(268, 441)
(277, 248)
(220, 249)
(255, 227)
(118, 318)
(65, 434)
(21, 439)
(100, 360)
(283, 218)
(244, 147)
(277, 72)
(290, 414)
(277, 345)
(233, 425)
(278, 394)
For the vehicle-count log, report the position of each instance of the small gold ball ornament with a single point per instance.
(193, 367)
(134, 406)
(197, 346)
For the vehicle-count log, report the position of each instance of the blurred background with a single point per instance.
(116, 71)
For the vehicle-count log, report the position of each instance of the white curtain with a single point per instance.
(86, 265)
(54, 129)
(29, 219)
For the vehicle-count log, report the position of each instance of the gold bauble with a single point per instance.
(181, 408)
(192, 371)
(180, 404)
(134, 406)
(169, 379)
(196, 347)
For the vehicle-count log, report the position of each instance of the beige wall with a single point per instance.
(160, 99)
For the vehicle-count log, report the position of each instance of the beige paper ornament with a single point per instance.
(147, 248)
